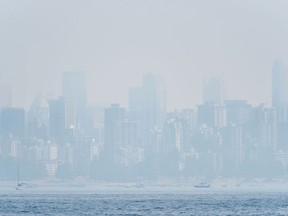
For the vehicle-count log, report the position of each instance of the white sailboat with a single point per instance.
(202, 185)
(19, 185)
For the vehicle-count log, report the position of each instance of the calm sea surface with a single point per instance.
(198, 202)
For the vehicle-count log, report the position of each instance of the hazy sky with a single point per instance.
(116, 41)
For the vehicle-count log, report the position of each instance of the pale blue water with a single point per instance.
(246, 203)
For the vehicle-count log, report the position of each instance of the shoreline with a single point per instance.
(161, 186)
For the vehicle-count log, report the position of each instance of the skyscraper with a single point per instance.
(154, 96)
(233, 147)
(62, 116)
(127, 139)
(280, 90)
(238, 112)
(212, 115)
(280, 101)
(214, 90)
(74, 89)
(135, 103)
(113, 115)
(172, 136)
(264, 127)
(13, 122)
(38, 118)
(148, 105)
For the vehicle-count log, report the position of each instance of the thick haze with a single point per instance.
(116, 41)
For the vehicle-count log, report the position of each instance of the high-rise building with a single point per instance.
(177, 130)
(238, 112)
(74, 89)
(135, 103)
(280, 101)
(154, 93)
(39, 111)
(135, 98)
(212, 115)
(38, 118)
(113, 115)
(13, 121)
(127, 141)
(233, 147)
(127, 133)
(172, 136)
(62, 116)
(148, 105)
(264, 127)
(214, 90)
(280, 90)
(95, 122)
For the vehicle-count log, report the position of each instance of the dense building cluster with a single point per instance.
(65, 138)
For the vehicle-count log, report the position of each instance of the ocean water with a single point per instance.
(198, 202)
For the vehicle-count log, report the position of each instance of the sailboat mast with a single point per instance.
(18, 172)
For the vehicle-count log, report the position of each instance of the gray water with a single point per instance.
(201, 203)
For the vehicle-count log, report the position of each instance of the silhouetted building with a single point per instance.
(113, 115)
(127, 133)
(172, 136)
(38, 118)
(280, 90)
(127, 141)
(188, 120)
(190, 117)
(280, 101)
(74, 89)
(212, 115)
(13, 122)
(233, 148)
(62, 116)
(214, 90)
(147, 104)
(238, 112)
(135, 103)
(95, 122)
(264, 127)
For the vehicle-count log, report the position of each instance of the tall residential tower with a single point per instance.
(280, 90)
(214, 90)
(147, 104)
(74, 90)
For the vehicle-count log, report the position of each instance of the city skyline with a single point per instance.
(62, 137)
(143, 107)
(9, 95)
